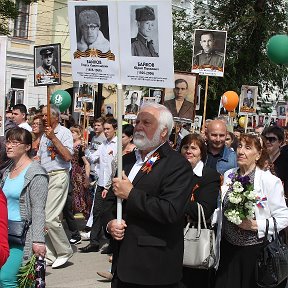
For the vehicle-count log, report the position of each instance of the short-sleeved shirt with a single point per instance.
(49, 158)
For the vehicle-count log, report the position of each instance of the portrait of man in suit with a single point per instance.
(150, 234)
(180, 106)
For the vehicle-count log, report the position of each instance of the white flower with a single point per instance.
(237, 187)
(249, 205)
(228, 181)
(233, 216)
(251, 195)
(235, 198)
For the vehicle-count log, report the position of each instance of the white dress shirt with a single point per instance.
(104, 156)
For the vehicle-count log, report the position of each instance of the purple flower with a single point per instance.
(231, 175)
(245, 180)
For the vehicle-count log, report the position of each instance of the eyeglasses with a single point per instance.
(91, 27)
(271, 139)
(13, 143)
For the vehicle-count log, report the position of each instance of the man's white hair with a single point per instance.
(165, 117)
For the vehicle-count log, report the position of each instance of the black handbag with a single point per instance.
(17, 231)
(272, 262)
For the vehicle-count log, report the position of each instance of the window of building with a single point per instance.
(21, 23)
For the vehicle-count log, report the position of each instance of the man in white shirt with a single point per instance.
(19, 114)
(104, 156)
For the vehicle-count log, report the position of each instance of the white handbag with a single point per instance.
(199, 244)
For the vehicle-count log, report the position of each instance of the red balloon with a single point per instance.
(230, 100)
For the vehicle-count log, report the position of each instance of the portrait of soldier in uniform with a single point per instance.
(133, 108)
(143, 44)
(47, 73)
(248, 101)
(91, 37)
(208, 55)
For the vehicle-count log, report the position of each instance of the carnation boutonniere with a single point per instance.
(147, 167)
(241, 199)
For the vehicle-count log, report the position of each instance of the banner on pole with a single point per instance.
(123, 42)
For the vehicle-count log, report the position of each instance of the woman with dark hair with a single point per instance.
(37, 130)
(242, 239)
(127, 138)
(4, 247)
(25, 185)
(205, 191)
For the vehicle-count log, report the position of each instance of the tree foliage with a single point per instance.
(249, 25)
(9, 10)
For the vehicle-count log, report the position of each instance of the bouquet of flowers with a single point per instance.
(32, 275)
(241, 199)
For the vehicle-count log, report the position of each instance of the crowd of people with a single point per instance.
(49, 170)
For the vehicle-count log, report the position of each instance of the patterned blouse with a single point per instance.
(234, 234)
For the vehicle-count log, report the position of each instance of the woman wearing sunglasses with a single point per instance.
(278, 154)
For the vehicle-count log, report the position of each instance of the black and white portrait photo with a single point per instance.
(132, 102)
(92, 28)
(47, 65)
(109, 110)
(209, 51)
(282, 110)
(144, 31)
(157, 94)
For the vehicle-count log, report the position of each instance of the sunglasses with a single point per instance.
(271, 139)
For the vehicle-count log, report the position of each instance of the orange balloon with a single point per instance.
(230, 100)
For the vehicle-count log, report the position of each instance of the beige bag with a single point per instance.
(199, 244)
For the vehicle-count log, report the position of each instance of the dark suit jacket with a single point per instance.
(206, 191)
(151, 252)
(186, 110)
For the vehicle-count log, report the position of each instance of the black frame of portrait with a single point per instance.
(220, 37)
(192, 80)
(56, 62)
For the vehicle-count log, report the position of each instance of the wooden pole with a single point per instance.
(246, 122)
(119, 145)
(48, 105)
(84, 120)
(205, 103)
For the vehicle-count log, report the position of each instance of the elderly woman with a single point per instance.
(37, 130)
(205, 191)
(4, 248)
(242, 241)
(25, 185)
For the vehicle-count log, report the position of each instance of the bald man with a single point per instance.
(219, 157)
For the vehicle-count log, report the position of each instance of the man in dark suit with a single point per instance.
(150, 236)
(179, 106)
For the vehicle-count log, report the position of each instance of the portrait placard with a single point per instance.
(132, 103)
(3, 47)
(47, 65)
(248, 99)
(209, 51)
(147, 45)
(94, 41)
(197, 124)
(185, 90)
(86, 94)
(157, 94)
(281, 111)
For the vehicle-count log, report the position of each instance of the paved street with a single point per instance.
(80, 271)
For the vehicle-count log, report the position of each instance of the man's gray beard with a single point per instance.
(145, 143)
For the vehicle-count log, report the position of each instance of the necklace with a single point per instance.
(16, 168)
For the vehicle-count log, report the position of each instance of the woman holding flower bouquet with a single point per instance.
(249, 196)
(25, 185)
